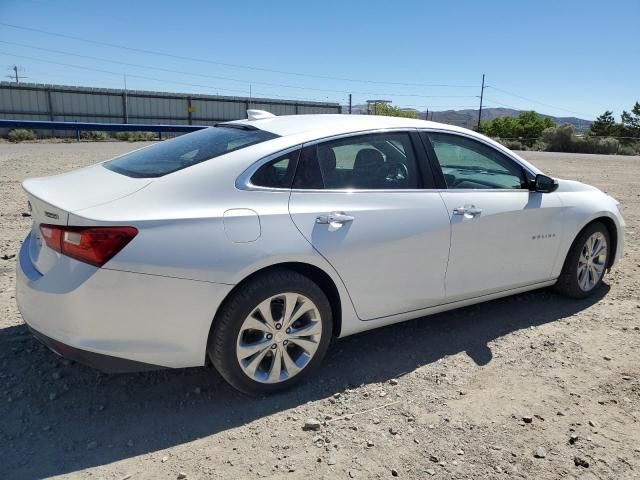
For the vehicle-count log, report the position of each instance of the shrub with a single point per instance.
(563, 139)
(626, 150)
(512, 144)
(539, 146)
(96, 136)
(607, 145)
(559, 139)
(136, 136)
(20, 135)
(391, 111)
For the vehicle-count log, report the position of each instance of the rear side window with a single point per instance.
(373, 161)
(277, 173)
(187, 150)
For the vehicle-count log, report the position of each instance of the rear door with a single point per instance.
(364, 202)
(502, 234)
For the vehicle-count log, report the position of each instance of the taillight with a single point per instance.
(93, 245)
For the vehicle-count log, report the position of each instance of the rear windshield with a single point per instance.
(186, 150)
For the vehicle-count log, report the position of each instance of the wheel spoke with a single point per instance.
(601, 248)
(289, 365)
(305, 306)
(252, 323)
(595, 246)
(582, 276)
(312, 328)
(290, 301)
(591, 278)
(276, 367)
(309, 346)
(251, 367)
(245, 350)
(265, 310)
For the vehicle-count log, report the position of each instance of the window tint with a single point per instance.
(186, 150)
(277, 173)
(467, 163)
(376, 161)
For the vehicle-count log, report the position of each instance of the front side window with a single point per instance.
(469, 164)
(374, 161)
(184, 151)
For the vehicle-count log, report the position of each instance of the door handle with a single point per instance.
(468, 211)
(338, 218)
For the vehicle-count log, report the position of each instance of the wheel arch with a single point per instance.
(316, 274)
(613, 236)
(612, 229)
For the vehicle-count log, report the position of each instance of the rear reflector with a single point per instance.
(92, 245)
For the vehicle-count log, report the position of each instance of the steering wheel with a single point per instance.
(397, 173)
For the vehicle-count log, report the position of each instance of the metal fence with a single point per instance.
(25, 101)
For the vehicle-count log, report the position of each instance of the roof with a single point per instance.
(295, 124)
(302, 128)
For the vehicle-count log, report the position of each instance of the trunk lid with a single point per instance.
(51, 199)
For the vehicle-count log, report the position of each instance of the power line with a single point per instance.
(503, 104)
(442, 106)
(234, 65)
(119, 74)
(535, 101)
(216, 77)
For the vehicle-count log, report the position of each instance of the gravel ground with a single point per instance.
(530, 386)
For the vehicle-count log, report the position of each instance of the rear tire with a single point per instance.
(586, 263)
(271, 333)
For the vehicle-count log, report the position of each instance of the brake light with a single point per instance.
(92, 245)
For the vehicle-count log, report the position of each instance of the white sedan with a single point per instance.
(254, 243)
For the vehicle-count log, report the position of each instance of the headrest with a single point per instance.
(368, 159)
(327, 159)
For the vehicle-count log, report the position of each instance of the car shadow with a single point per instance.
(57, 417)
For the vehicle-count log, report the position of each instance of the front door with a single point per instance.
(503, 236)
(361, 202)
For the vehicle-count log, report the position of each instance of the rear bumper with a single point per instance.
(104, 363)
(88, 312)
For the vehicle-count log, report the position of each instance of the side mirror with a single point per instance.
(544, 184)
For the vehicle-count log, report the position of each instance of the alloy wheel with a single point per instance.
(592, 261)
(278, 339)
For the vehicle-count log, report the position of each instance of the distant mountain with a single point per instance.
(469, 118)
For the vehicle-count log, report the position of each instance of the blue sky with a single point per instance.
(566, 58)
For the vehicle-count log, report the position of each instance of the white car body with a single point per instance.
(204, 229)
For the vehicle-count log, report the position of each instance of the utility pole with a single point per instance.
(481, 95)
(349, 104)
(16, 73)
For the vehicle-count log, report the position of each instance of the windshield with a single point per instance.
(187, 150)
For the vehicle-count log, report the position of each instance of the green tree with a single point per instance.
(391, 111)
(604, 126)
(631, 122)
(526, 127)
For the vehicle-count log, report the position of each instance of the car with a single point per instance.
(253, 243)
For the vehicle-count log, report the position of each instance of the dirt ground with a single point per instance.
(523, 387)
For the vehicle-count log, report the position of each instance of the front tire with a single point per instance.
(586, 262)
(271, 333)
